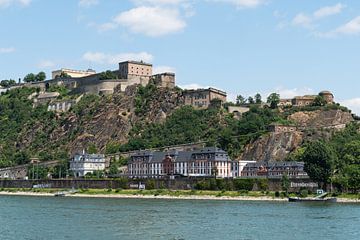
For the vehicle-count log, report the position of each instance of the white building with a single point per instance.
(84, 163)
(205, 162)
(238, 166)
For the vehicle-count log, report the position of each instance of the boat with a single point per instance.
(319, 198)
(60, 194)
(298, 199)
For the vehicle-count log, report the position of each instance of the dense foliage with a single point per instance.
(16, 114)
(336, 161)
(187, 125)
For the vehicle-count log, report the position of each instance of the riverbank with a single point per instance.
(164, 194)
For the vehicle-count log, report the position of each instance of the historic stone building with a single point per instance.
(166, 80)
(205, 162)
(307, 100)
(201, 98)
(72, 73)
(274, 169)
(129, 73)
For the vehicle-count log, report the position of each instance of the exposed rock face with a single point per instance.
(273, 146)
(112, 120)
(318, 119)
(311, 126)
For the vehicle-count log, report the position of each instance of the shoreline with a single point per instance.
(180, 197)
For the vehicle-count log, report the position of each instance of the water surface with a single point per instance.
(86, 218)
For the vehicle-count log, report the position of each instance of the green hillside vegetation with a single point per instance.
(335, 162)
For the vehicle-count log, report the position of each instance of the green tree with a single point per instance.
(30, 77)
(353, 174)
(319, 101)
(41, 76)
(285, 183)
(91, 149)
(113, 170)
(319, 161)
(251, 100)
(107, 75)
(273, 99)
(258, 98)
(240, 100)
(7, 83)
(63, 75)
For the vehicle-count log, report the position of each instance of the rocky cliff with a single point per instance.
(109, 119)
(311, 125)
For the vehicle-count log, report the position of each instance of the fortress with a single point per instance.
(129, 73)
(307, 100)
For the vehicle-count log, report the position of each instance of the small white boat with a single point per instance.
(60, 194)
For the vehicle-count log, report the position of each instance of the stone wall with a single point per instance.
(272, 184)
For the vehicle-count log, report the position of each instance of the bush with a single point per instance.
(277, 194)
(243, 184)
(304, 193)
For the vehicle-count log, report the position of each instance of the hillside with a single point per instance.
(148, 117)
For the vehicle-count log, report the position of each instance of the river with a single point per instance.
(93, 218)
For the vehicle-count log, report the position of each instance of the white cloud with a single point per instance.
(329, 10)
(242, 3)
(352, 27)
(46, 64)
(353, 104)
(158, 2)
(307, 21)
(151, 21)
(88, 3)
(7, 50)
(163, 69)
(103, 58)
(7, 3)
(302, 20)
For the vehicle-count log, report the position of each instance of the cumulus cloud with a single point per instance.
(350, 28)
(153, 21)
(353, 104)
(242, 3)
(7, 50)
(88, 3)
(163, 69)
(159, 2)
(7, 3)
(104, 58)
(303, 20)
(307, 20)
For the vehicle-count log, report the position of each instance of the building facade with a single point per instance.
(201, 98)
(82, 164)
(73, 73)
(274, 169)
(129, 73)
(307, 100)
(130, 69)
(237, 167)
(166, 80)
(205, 162)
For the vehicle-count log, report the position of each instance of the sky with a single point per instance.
(293, 47)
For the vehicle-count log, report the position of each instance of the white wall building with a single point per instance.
(84, 163)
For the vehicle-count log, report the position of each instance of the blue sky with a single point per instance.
(293, 47)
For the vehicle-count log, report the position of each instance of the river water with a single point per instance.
(93, 218)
